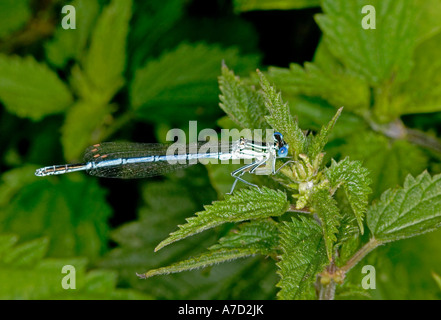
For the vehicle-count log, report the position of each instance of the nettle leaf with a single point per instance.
(337, 86)
(325, 206)
(253, 5)
(318, 142)
(13, 15)
(348, 236)
(348, 243)
(185, 77)
(355, 181)
(243, 103)
(351, 291)
(437, 279)
(379, 54)
(70, 44)
(50, 207)
(244, 205)
(389, 162)
(26, 274)
(428, 21)
(256, 237)
(13, 181)
(303, 256)
(77, 134)
(152, 21)
(259, 235)
(7, 241)
(30, 89)
(202, 261)
(422, 92)
(327, 62)
(104, 64)
(408, 211)
(280, 117)
(26, 254)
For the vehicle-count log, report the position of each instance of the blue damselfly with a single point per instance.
(126, 160)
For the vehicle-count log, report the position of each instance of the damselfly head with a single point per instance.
(281, 145)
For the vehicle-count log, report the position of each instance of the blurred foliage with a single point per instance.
(131, 70)
(252, 5)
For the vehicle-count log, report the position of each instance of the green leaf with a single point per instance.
(437, 279)
(77, 134)
(244, 205)
(355, 181)
(375, 54)
(351, 291)
(37, 280)
(202, 261)
(252, 5)
(27, 254)
(13, 15)
(347, 246)
(26, 274)
(105, 61)
(185, 77)
(409, 273)
(422, 92)
(70, 44)
(389, 162)
(348, 236)
(50, 207)
(7, 241)
(260, 235)
(303, 256)
(318, 142)
(325, 206)
(428, 21)
(13, 181)
(408, 211)
(256, 237)
(326, 61)
(152, 22)
(241, 102)
(30, 89)
(337, 86)
(281, 119)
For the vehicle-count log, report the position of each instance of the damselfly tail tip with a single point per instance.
(40, 172)
(141, 275)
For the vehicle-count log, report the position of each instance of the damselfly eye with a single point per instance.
(282, 152)
(278, 136)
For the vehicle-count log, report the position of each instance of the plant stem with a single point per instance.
(327, 292)
(326, 283)
(360, 254)
(397, 130)
(423, 139)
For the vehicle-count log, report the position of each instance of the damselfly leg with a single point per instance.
(237, 174)
(287, 162)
